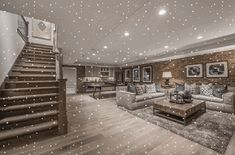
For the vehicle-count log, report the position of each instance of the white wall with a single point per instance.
(11, 44)
(70, 74)
(38, 40)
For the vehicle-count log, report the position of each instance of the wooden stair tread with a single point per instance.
(25, 117)
(24, 106)
(37, 58)
(38, 54)
(30, 81)
(29, 88)
(35, 66)
(32, 70)
(27, 96)
(39, 45)
(31, 75)
(37, 62)
(27, 130)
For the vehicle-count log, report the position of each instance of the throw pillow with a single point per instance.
(143, 88)
(179, 87)
(206, 89)
(139, 89)
(231, 89)
(158, 87)
(193, 88)
(218, 90)
(150, 88)
(131, 88)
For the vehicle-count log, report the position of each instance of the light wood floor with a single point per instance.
(100, 128)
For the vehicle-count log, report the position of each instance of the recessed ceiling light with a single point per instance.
(166, 47)
(93, 54)
(126, 34)
(199, 37)
(162, 12)
(87, 58)
(140, 53)
(105, 47)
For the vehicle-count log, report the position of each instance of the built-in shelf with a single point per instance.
(104, 72)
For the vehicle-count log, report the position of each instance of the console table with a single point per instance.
(97, 87)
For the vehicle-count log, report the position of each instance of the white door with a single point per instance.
(70, 74)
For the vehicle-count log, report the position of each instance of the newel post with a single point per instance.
(62, 117)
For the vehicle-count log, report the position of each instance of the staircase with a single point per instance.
(29, 101)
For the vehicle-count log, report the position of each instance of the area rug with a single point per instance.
(212, 129)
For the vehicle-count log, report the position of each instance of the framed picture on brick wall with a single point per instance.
(147, 74)
(136, 74)
(127, 75)
(194, 70)
(217, 69)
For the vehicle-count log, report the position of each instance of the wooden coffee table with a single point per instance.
(181, 113)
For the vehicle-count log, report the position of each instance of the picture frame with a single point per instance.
(217, 69)
(41, 29)
(194, 70)
(136, 75)
(127, 75)
(147, 74)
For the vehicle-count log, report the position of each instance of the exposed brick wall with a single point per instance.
(177, 68)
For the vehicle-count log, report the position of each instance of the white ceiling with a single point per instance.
(85, 27)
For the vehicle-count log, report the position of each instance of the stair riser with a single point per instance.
(21, 62)
(37, 59)
(35, 72)
(38, 52)
(38, 48)
(28, 92)
(24, 85)
(34, 67)
(32, 78)
(29, 138)
(30, 110)
(28, 122)
(39, 55)
(28, 100)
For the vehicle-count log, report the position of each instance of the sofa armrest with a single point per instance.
(229, 98)
(124, 98)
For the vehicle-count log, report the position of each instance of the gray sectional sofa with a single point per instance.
(224, 104)
(132, 101)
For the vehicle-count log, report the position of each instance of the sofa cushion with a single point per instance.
(208, 98)
(131, 88)
(179, 87)
(147, 96)
(206, 89)
(231, 89)
(193, 88)
(150, 88)
(139, 90)
(158, 87)
(218, 90)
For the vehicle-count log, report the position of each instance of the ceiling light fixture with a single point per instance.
(105, 47)
(199, 37)
(166, 47)
(126, 34)
(162, 12)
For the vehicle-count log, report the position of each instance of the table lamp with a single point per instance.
(167, 76)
